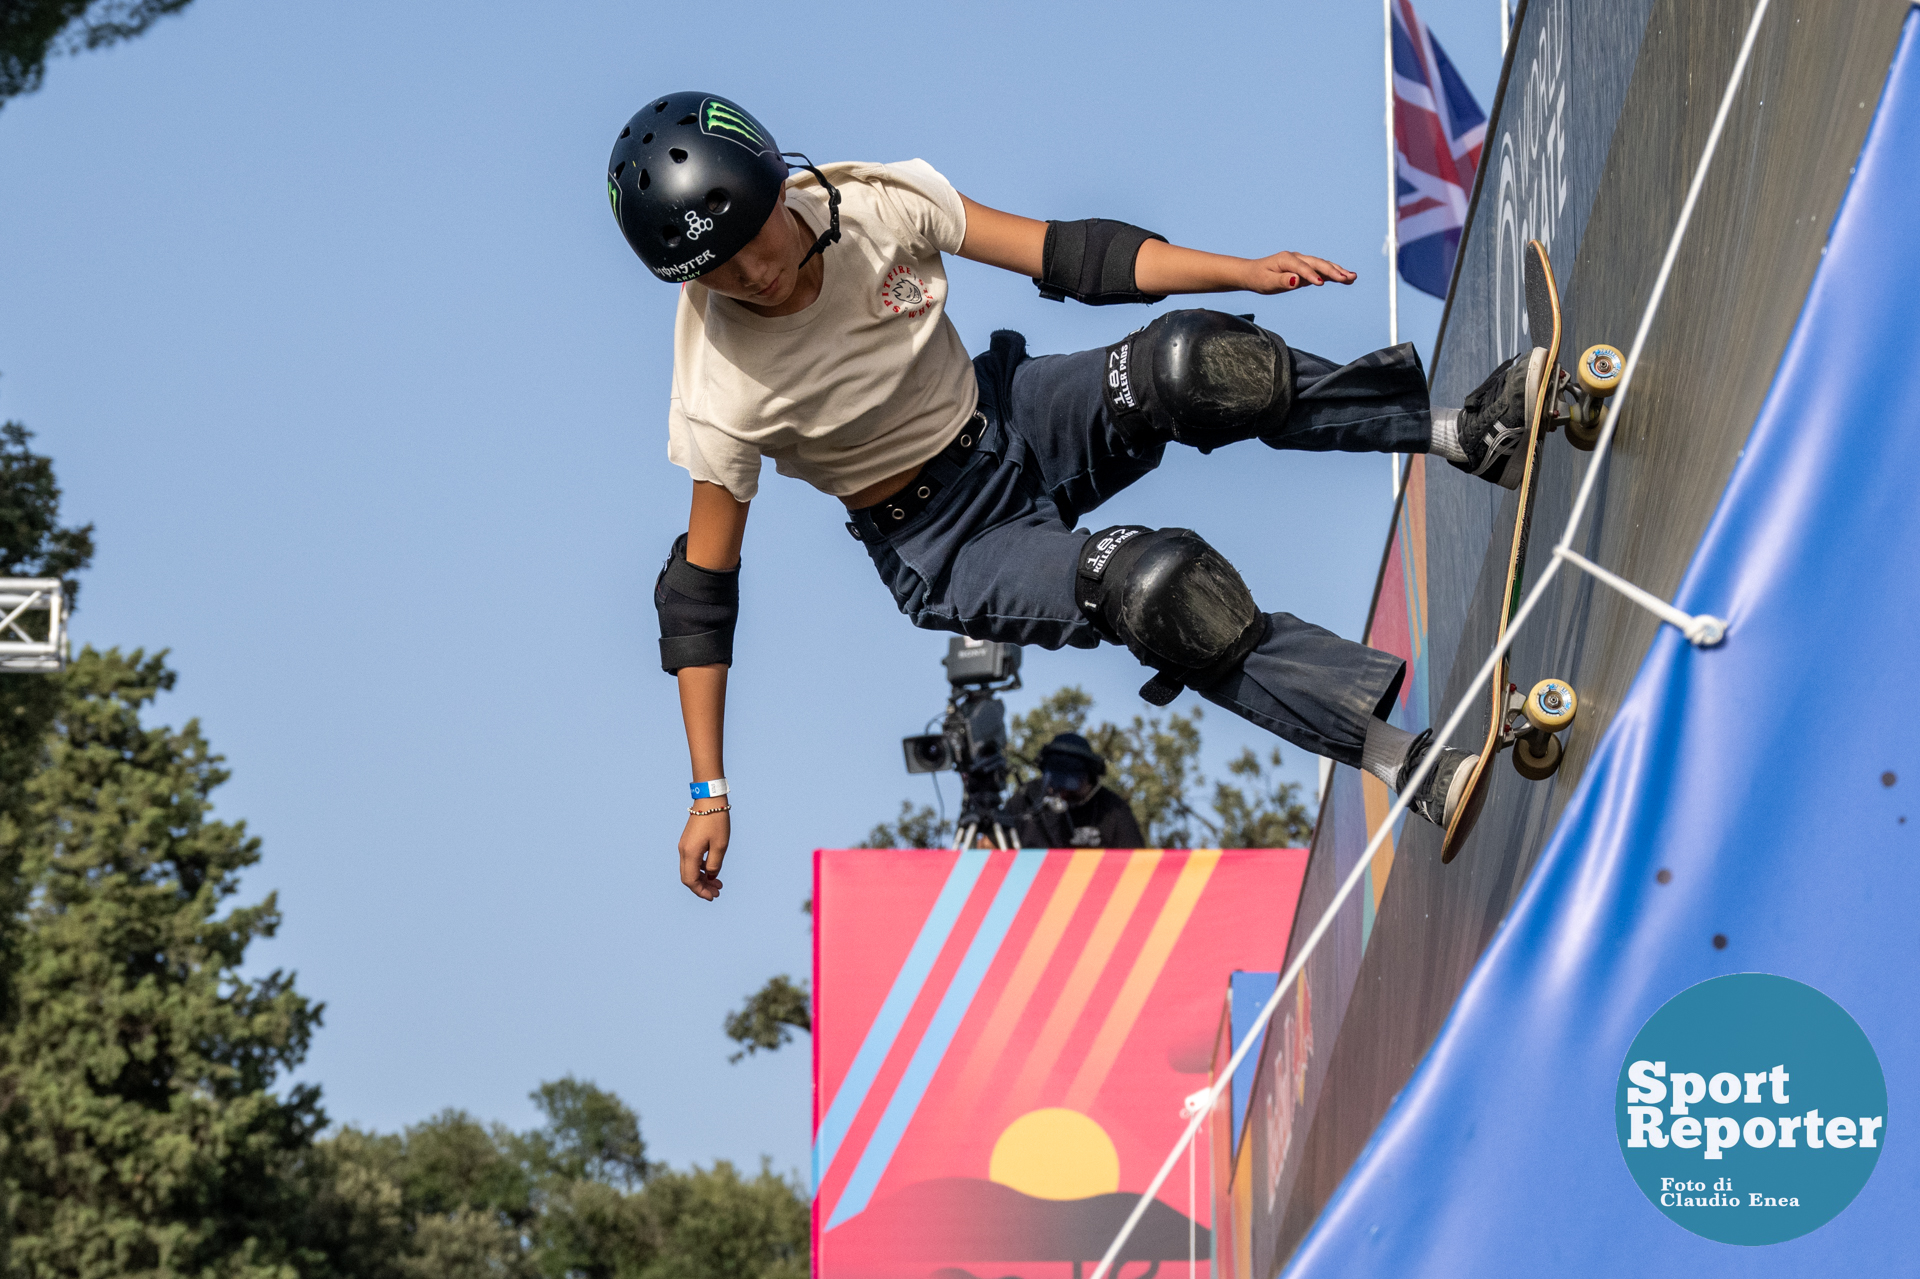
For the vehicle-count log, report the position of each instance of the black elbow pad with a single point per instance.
(698, 608)
(1091, 261)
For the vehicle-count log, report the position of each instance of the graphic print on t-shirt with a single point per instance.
(904, 293)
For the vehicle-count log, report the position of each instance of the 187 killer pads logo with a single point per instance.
(1751, 1108)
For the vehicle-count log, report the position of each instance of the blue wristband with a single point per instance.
(709, 790)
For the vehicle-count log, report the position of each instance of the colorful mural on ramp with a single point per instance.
(997, 1035)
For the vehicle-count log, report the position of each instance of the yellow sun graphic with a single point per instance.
(1055, 1154)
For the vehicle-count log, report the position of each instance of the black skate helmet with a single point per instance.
(693, 178)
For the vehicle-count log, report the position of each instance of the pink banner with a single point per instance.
(1002, 1044)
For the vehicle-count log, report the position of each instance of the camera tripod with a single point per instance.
(980, 816)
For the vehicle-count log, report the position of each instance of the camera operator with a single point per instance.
(1067, 807)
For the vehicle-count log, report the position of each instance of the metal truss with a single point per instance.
(21, 649)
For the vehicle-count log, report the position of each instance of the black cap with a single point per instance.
(1072, 747)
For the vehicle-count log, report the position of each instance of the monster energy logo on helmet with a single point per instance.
(724, 120)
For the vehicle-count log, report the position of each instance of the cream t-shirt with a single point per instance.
(869, 380)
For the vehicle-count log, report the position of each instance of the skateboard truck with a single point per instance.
(1530, 724)
(1595, 378)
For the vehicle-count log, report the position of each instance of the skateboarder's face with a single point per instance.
(765, 272)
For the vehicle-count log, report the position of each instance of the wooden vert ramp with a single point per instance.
(1601, 118)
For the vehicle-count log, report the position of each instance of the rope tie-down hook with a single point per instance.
(1702, 630)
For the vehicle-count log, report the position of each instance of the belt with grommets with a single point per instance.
(871, 523)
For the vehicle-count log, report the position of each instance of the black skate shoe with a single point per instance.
(1489, 430)
(1445, 788)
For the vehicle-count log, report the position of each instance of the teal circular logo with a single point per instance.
(1751, 1108)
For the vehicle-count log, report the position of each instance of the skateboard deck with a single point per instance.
(1543, 324)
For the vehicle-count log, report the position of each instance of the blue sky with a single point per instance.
(321, 314)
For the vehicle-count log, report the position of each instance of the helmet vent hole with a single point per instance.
(646, 179)
(718, 200)
(660, 106)
(625, 132)
(645, 138)
(618, 168)
(685, 119)
(671, 234)
(679, 156)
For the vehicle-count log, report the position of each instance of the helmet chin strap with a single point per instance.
(832, 234)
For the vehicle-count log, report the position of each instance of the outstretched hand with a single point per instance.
(1285, 272)
(703, 846)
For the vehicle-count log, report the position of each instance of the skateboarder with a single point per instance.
(812, 330)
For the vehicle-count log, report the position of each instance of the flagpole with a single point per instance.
(1393, 222)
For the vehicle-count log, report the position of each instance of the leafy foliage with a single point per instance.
(33, 543)
(590, 1136)
(139, 1131)
(1267, 814)
(769, 1017)
(452, 1198)
(30, 30)
(916, 827)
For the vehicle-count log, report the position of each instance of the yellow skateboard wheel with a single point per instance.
(1551, 705)
(1583, 423)
(1537, 766)
(1599, 370)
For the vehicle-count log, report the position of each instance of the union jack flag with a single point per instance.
(1438, 130)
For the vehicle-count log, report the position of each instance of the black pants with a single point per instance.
(993, 556)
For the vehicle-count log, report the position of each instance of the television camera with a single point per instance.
(972, 740)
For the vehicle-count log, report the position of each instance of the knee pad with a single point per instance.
(1174, 602)
(1199, 377)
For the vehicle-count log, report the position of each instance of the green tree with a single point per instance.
(714, 1222)
(446, 1199)
(916, 827)
(769, 1017)
(140, 1132)
(1268, 813)
(590, 1135)
(575, 1198)
(30, 30)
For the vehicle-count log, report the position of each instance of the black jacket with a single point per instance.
(1104, 821)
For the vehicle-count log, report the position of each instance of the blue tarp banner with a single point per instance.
(1775, 780)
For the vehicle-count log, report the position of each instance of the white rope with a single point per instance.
(1193, 1219)
(1195, 1104)
(1705, 630)
(1485, 673)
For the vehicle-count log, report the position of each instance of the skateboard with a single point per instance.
(1529, 724)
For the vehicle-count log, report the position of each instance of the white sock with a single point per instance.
(1384, 753)
(1446, 435)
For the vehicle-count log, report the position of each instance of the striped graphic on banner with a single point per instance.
(893, 1013)
(932, 1049)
